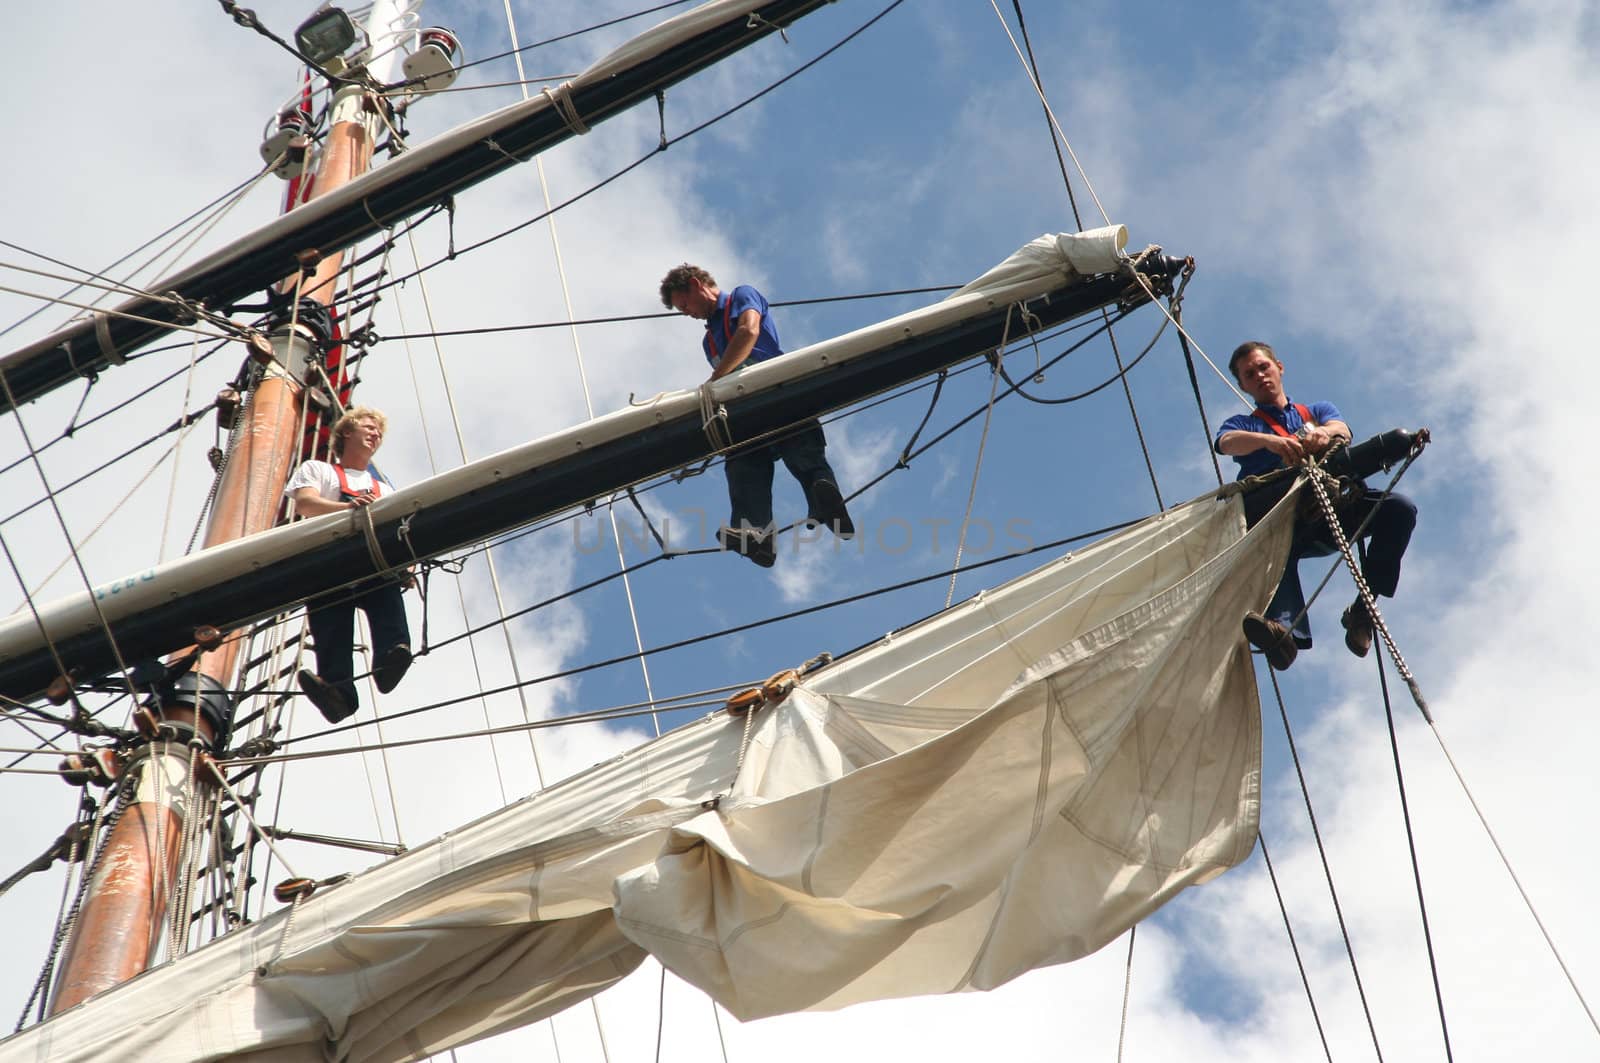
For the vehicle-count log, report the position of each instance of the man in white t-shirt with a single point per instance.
(350, 482)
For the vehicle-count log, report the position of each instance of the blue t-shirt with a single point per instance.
(724, 320)
(1259, 461)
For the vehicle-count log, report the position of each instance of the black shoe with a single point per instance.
(1272, 639)
(1357, 628)
(751, 544)
(392, 668)
(831, 510)
(325, 696)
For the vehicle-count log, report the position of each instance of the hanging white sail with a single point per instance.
(1011, 783)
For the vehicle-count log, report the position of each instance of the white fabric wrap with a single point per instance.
(1011, 783)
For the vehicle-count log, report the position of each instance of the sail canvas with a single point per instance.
(1009, 784)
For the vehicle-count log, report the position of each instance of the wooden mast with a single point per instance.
(119, 929)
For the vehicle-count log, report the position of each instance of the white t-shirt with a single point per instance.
(325, 479)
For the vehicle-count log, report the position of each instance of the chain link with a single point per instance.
(1319, 478)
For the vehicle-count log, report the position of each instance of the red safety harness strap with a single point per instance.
(1277, 426)
(344, 484)
(727, 333)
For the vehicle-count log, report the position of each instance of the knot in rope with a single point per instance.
(714, 419)
(560, 98)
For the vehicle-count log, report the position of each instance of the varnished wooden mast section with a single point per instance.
(125, 909)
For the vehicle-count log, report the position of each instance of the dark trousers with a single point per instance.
(332, 619)
(1387, 537)
(749, 470)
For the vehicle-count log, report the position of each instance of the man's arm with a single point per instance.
(1238, 443)
(1319, 438)
(740, 344)
(308, 502)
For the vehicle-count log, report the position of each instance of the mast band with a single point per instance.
(102, 332)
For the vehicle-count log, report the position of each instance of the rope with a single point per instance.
(219, 333)
(1515, 881)
(1327, 872)
(1194, 383)
(1223, 376)
(100, 275)
(1294, 947)
(1133, 411)
(102, 829)
(561, 98)
(714, 419)
(1054, 123)
(1411, 848)
(176, 451)
(1127, 991)
(540, 44)
(181, 426)
(765, 621)
(630, 167)
(623, 319)
(977, 466)
(105, 626)
(494, 574)
(645, 708)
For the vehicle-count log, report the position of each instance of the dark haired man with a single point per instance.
(1280, 433)
(740, 331)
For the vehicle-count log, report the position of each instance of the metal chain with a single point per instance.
(1318, 479)
(64, 927)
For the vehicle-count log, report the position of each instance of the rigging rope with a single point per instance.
(547, 41)
(1127, 991)
(1054, 124)
(55, 655)
(1411, 848)
(494, 577)
(100, 275)
(583, 380)
(620, 319)
(765, 621)
(1294, 947)
(665, 143)
(977, 466)
(1327, 872)
(1058, 137)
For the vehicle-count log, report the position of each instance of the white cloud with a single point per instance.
(1404, 190)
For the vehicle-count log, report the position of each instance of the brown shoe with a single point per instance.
(325, 696)
(1272, 639)
(1357, 629)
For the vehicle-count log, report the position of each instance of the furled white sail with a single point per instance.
(1011, 783)
(1049, 265)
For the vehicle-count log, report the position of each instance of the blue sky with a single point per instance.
(1398, 197)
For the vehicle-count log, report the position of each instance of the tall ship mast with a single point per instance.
(634, 784)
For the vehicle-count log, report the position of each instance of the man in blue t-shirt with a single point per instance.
(740, 331)
(1280, 433)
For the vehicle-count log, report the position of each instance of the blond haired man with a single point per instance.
(350, 481)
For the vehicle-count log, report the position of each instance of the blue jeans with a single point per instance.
(332, 619)
(1387, 535)
(749, 471)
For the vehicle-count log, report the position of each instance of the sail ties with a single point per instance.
(714, 419)
(102, 333)
(560, 98)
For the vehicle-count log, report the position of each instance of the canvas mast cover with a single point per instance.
(1011, 783)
